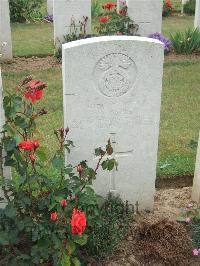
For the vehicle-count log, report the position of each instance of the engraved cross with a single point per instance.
(116, 155)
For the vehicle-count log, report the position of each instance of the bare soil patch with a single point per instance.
(156, 238)
(30, 63)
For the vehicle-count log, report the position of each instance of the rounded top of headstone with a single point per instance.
(110, 38)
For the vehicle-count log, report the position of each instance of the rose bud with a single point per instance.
(63, 203)
(66, 130)
(79, 168)
(36, 143)
(32, 157)
(53, 216)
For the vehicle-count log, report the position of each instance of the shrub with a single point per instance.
(167, 8)
(189, 7)
(111, 229)
(95, 8)
(186, 42)
(191, 217)
(113, 23)
(163, 39)
(45, 220)
(23, 10)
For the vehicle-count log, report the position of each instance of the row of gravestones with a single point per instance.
(116, 96)
(119, 93)
(146, 13)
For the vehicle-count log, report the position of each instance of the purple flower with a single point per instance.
(188, 220)
(167, 43)
(195, 252)
(49, 18)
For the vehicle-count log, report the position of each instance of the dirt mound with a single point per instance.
(163, 240)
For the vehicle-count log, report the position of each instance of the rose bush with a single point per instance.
(115, 23)
(46, 220)
(167, 8)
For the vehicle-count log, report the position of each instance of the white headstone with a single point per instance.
(147, 14)
(5, 31)
(197, 14)
(196, 181)
(6, 170)
(69, 12)
(50, 7)
(183, 3)
(112, 89)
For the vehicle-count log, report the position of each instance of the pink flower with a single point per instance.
(188, 220)
(195, 252)
(190, 205)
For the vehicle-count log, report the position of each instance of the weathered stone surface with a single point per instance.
(5, 31)
(50, 7)
(67, 12)
(112, 89)
(197, 15)
(196, 181)
(6, 170)
(147, 14)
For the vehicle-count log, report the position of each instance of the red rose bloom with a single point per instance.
(53, 216)
(26, 145)
(109, 5)
(34, 91)
(63, 203)
(78, 222)
(104, 19)
(29, 145)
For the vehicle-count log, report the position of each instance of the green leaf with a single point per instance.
(68, 170)
(180, 219)
(17, 100)
(97, 151)
(58, 161)
(76, 261)
(9, 144)
(4, 236)
(104, 164)
(41, 154)
(21, 122)
(10, 211)
(81, 240)
(70, 246)
(65, 261)
(111, 164)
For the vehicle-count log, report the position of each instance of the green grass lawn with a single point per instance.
(37, 39)
(180, 114)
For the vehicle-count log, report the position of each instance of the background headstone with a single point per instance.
(197, 14)
(6, 170)
(50, 7)
(147, 14)
(66, 11)
(5, 31)
(112, 89)
(183, 3)
(196, 181)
